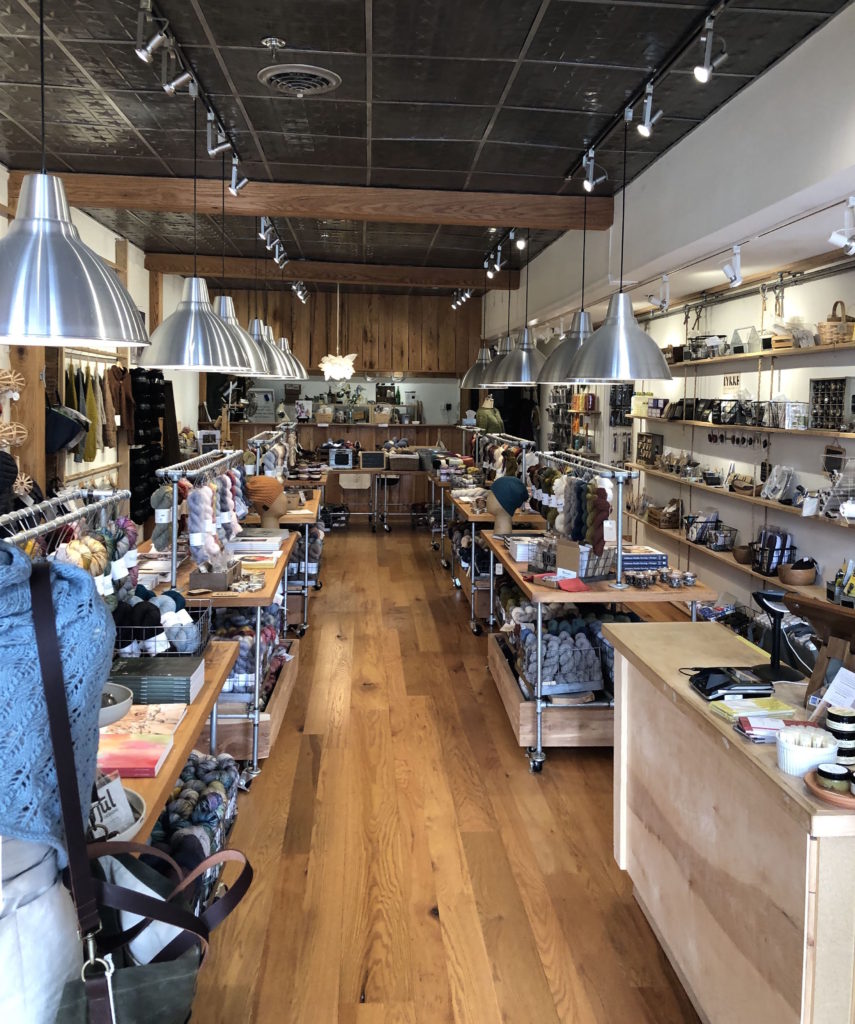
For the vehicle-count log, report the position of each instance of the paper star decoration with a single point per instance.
(338, 367)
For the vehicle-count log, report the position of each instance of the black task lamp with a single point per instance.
(771, 602)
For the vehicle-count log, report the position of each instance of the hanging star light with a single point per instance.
(337, 367)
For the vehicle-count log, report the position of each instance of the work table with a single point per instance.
(747, 880)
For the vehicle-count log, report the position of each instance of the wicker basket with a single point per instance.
(838, 328)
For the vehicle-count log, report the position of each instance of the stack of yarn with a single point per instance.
(151, 624)
(239, 624)
(316, 547)
(520, 611)
(570, 662)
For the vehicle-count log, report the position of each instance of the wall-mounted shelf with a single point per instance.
(816, 591)
(746, 498)
(739, 428)
(783, 353)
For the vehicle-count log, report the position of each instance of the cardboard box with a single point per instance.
(216, 581)
(323, 417)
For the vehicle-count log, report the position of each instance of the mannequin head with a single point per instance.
(506, 495)
(269, 498)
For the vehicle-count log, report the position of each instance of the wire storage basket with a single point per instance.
(766, 559)
(178, 638)
(698, 524)
(721, 537)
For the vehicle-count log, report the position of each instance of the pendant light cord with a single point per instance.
(195, 213)
(584, 243)
(623, 202)
(527, 267)
(42, 72)
(223, 186)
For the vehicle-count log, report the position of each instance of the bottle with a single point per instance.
(397, 396)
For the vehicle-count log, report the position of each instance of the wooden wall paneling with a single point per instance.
(400, 309)
(415, 328)
(29, 360)
(279, 313)
(301, 327)
(301, 340)
(430, 332)
(370, 330)
(155, 300)
(244, 308)
(446, 334)
(474, 331)
(354, 312)
(121, 254)
(385, 333)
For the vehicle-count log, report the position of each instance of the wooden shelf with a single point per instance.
(740, 429)
(220, 657)
(746, 498)
(726, 557)
(784, 353)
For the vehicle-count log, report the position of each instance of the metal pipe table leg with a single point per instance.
(386, 525)
(256, 696)
(214, 728)
(536, 756)
(491, 618)
(442, 559)
(693, 605)
(473, 622)
(306, 576)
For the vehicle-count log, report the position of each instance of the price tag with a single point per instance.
(197, 539)
(610, 531)
(99, 584)
(131, 558)
(163, 515)
(118, 570)
(224, 517)
(210, 527)
(106, 585)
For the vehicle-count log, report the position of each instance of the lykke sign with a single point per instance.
(730, 383)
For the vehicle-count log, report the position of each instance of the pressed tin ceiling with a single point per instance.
(485, 95)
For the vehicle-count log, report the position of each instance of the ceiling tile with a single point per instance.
(680, 95)
(479, 181)
(303, 117)
(19, 62)
(505, 158)
(404, 177)
(627, 35)
(307, 173)
(449, 156)
(116, 66)
(571, 87)
(310, 149)
(546, 127)
(755, 41)
(447, 28)
(429, 121)
(409, 80)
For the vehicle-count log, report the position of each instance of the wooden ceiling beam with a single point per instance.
(333, 202)
(371, 274)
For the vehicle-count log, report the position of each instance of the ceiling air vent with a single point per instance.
(299, 80)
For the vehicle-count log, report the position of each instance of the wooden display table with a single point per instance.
(220, 658)
(747, 879)
(575, 731)
(474, 592)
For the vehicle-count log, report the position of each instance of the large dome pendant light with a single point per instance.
(279, 367)
(556, 369)
(619, 350)
(194, 337)
(504, 347)
(522, 367)
(224, 307)
(477, 371)
(54, 290)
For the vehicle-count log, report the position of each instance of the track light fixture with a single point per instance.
(589, 166)
(146, 51)
(488, 267)
(649, 119)
(172, 86)
(497, 261)
(664, 300)
(459, 297)
(237, 182)
(704, 72)
(844, 238)
(217, 141)
(519, 242)
(299, 289)
(145, 22)
(732, 270)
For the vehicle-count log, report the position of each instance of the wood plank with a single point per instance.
(155, 300)
(121, 260)
(400, 310)
(381, 205)
(29, 410)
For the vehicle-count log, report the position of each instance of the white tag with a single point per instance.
(163, 515)
(196, 539)
(250, 470)
(500, 569)
(224, 517)
(118, 570)
(210, 527)
(156, 644)
(118, 419)
(111, 813)
(131, 558)
(106, 586)
(610, 531)
(183, 618)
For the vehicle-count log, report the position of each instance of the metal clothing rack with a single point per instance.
(267, 438)
(45, 517)
(502, 438)
(620, 476)
(200, 467)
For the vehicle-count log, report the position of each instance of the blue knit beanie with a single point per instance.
(29, 797)
(510, 493)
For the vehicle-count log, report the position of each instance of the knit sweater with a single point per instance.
(119, 381)
(29, 797)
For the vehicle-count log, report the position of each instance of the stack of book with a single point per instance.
(161, 680)
(138, 744)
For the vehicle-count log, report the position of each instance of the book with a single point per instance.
(133, 757)
(732, 708)
(156, 719)
(266, 560)
(761, 729)
(161, 680)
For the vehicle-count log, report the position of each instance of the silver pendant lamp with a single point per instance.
(278, 365)
(477, 371)
(556, 369)
(300, 372)
(54, 290)
(194, 337)
(224, 308)
(522, 367)
(504, 347)
(548, 345)
(619, 350)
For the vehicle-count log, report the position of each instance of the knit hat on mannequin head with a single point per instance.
(510, 492)
(263, 490)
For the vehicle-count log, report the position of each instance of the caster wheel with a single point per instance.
(476, 629)
(300, 632)
(456, 584)
(445, 563)
(435, 547)
(387, 528)
(319, 585)
(535, 767)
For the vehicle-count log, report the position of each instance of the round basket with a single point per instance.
(742, 554)
(838, 328)
(791, 577)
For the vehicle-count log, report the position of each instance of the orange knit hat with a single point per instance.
(263, 490)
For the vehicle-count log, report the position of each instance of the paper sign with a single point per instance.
(841, 691)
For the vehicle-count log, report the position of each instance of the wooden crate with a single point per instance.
(235, 737)
(562, 727)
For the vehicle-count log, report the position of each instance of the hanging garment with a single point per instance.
(80, 396)
(109, 413)
(171, 449)
(99, 405)
(90, 448)
(70, 389)
(123, 400)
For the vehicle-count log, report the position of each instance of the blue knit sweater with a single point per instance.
(29, 797)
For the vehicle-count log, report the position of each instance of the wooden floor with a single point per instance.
(408, 867)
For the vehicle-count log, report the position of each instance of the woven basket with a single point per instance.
(838, 328)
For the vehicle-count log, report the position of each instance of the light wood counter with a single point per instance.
(747, 880)
(463, 510)
(220, 657)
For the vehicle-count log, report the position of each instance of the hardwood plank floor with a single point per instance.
(409, 869)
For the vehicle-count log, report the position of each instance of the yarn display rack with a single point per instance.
(262, 442)
(571, 460)
(46, 520)
(198, 469)
(483, 436)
